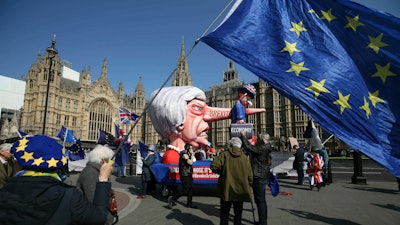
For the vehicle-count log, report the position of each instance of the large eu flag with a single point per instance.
(337, 60)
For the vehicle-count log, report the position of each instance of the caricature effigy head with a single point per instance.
(180, 114)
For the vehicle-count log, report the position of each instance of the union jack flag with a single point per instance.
(127, 117)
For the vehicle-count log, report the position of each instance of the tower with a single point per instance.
(182, 76)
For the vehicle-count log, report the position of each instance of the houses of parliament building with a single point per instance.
(85, 106)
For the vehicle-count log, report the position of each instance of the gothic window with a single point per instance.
(68, 105)
(74, 121)
(75, 106)
(66, 120)
(31, 84)
(58, 119)
(60, 103)
(100, 118)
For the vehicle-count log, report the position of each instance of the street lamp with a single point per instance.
(51, 53)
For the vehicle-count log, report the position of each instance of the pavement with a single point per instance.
(342, 203)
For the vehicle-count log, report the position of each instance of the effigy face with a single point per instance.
(195, 127)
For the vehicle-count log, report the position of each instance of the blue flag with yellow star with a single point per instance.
(337, 60)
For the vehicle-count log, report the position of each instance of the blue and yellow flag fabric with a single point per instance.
(337, 60)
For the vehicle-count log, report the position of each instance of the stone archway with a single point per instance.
(101, 114)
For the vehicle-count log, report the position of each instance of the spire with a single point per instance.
(182, 55)
(139, 86)
(139, 95)
(120, 90)
(104, 69)
(182, 76)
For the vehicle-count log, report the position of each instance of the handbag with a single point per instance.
(295, 164)
(113, 208)
(273, 184)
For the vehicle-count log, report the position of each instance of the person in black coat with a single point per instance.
(186, 161)
(36, 194)
(147, 177)
(299, 163)
(260, 162)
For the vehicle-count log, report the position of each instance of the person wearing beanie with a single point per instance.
(234, 182)
(36, 194)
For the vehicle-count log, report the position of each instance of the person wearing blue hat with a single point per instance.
(37, 195)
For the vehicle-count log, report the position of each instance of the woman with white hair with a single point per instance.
(7, 169)
(87, 178)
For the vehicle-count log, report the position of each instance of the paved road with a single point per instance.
(342, 203)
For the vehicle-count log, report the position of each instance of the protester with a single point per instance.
(36, 194)
(186, 174)
(7, 169)
(119, 161)
(260, 163)
(234, 182)
(299, 163)
(146, 172)
(314, 170)
(87, 178)
(200, 154)
(326, 169)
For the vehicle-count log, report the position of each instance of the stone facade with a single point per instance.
(81, 106)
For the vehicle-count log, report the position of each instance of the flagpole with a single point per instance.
(323, 143)
(65, 136)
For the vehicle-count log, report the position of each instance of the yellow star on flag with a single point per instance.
(297, 68)
(353, 23)
(290, 47)
(328, 15)
(317, 87)
(366, 108)
(52, 162)
(64, 160)
(376, 43)
(383, 72)
(27, 156)
(38, 161)
(22, 145)
(297, 28)
(343, 102)
(373, 97)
